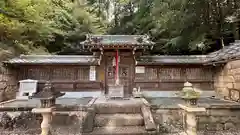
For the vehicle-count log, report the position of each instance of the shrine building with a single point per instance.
(121, 60)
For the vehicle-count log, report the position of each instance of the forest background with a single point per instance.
(179, 27)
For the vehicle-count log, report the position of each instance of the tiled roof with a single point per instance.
(171, 59)
(55, 59)
(225, 54)
(228, 52)
(117, 40)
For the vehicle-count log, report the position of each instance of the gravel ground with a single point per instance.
(208, 133)
(67, 131)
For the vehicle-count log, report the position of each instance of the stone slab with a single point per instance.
(118, 119)
(148, 118)
(42, 110)
(33, 103)
(173, 102)
(88, 121)
(162, 93)
(128, 130)
(83, 94)
(192, 109)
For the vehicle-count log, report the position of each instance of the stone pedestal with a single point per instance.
(116, 91)
(47, 118)
(191, 122)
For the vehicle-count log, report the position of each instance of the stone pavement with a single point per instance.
(34, 103)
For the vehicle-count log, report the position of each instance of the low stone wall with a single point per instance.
(29, 123)
(8, 83)
(219, 119)
(171, 120)
(16, 117)
(168, 120)
(227, 80)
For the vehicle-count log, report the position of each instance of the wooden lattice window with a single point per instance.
(36, 73)
(123, 71)
(170, 74)
(63, 74)
(150, 74)
(111, 71)
(83, 73)
(32, 73)
(193, 73)
(207, 74)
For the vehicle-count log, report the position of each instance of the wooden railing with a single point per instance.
(172, 85)
(73, 85)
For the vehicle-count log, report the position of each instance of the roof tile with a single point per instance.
(54, 59)
(117, 40)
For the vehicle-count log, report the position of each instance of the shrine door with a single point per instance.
(126, 68)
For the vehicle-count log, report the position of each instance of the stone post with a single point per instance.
(47, 119)
(191, 122)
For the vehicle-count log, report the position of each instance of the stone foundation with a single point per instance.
(30, 123)
(8, 83)
(170, 120)
(227, 80)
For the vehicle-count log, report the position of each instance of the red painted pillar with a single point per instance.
(117, 69)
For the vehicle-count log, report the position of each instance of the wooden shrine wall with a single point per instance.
(63, 78)
(173, 77)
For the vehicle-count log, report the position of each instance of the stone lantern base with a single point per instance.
(191, 120)
(47, 118)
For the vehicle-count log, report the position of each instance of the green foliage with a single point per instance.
(57, 26)
(179, 26)
(33, 26)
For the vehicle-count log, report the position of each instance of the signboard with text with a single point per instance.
(140, 69)
(92, 73)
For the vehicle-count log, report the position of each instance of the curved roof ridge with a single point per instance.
(164, 56)
(55, 56)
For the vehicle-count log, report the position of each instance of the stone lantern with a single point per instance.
(190, 109)
(47, 99)
(189, 94)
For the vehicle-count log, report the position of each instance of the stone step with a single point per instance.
(127, 130)
(117, 108)
(117, 120)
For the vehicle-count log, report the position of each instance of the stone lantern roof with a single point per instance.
(47, 93)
